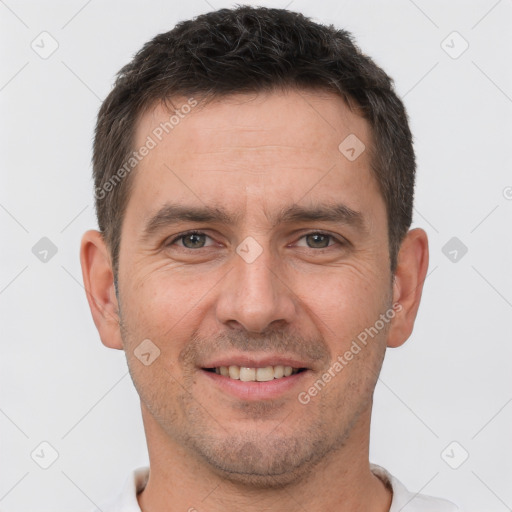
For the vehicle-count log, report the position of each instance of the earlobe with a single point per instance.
(408, 284)
(99, 286)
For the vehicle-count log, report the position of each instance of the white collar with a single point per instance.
(403, 500)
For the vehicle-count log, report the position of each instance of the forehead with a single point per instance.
(268, 148)
(302, 120)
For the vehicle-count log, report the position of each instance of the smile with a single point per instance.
(247, 374)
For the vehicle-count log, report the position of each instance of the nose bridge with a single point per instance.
(253, 294)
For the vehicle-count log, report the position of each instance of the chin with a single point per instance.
(258, 461)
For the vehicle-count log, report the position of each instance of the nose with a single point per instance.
(255, 295)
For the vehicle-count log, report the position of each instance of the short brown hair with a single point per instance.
(248, 50)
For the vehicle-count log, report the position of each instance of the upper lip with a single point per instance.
(252, 361)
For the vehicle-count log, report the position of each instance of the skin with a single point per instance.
(254, 155)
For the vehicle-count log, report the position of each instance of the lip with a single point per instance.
(256, 391)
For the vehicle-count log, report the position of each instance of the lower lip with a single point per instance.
(256, 390)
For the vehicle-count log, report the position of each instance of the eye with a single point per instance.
(318, 240)
(192, 240)
(199, 240)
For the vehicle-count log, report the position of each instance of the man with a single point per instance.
(254, 178)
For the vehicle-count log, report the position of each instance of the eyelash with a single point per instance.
(197, 232)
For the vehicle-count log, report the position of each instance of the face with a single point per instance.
(251, 247)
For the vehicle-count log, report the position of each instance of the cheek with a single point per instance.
(345, 301)
(163, 306)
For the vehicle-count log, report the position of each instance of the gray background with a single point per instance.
(449, 383)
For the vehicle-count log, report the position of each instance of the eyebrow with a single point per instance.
(172, 213)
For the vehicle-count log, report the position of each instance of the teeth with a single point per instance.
(234, 372)
(278, 372)
(265, 374)
(247, 374)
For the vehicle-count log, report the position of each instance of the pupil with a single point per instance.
(318, 241)
(194, 240)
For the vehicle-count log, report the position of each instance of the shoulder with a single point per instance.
(406, 501)
(126, 500)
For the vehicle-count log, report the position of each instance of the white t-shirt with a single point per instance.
(403, 500)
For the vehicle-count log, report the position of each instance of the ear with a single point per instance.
(99, 286)
(409, 277)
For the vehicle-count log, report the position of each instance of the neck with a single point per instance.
(342, 481)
